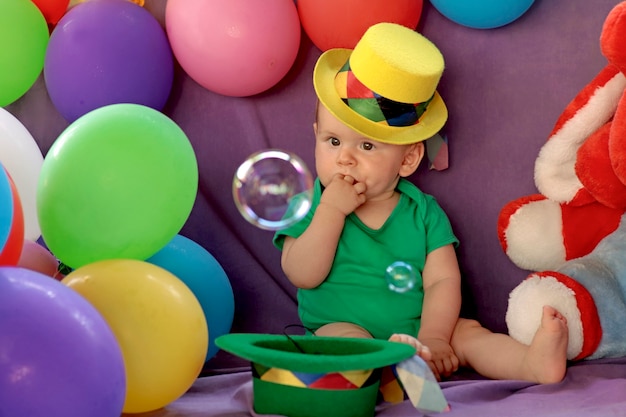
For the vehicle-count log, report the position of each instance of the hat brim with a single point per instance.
(321, 354)
(324, 74)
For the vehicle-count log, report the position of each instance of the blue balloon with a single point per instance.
(482, 14)
(206, 278)
(6, 207)
(59, 357)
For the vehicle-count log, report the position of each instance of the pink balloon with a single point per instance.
(39, 259)
(234, 47)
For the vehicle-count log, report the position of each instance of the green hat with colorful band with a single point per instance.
(314, 376)
(385, 88)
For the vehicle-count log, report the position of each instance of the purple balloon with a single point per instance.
(107, 52)
(58, 357)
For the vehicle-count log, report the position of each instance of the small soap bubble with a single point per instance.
(400, 277)
(273, 189)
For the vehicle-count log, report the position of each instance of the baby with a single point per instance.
(376, 106)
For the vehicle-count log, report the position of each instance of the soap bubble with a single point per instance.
(273, 189)
(400, 277)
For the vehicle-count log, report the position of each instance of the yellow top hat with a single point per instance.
(385, 88)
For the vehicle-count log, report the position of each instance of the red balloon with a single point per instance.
(341, 23)
(52, 10)
(12, 250)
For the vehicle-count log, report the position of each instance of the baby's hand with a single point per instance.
(420, 350)
(344, 193)
(443, 361)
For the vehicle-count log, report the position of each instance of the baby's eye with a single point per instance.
(334, 141)
(367, 146)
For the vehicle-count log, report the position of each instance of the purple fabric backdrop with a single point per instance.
(590, 389)
(504, 89)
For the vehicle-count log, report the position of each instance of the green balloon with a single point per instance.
(118, 183)
(24, 38)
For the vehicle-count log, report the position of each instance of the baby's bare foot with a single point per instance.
(420, 349)
(546, 359)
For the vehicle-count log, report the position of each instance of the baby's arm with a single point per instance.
(306, 260)
(442, 305)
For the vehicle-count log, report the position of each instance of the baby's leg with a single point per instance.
(343, 330)
(499, 356)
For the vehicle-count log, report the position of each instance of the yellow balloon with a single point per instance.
(158, 322)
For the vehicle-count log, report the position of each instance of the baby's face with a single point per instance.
(341, 150)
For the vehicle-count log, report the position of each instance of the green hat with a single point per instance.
(314, 376)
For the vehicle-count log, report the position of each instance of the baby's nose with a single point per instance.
(345, 157)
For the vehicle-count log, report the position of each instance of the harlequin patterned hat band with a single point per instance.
(373, 106)
(346, 380)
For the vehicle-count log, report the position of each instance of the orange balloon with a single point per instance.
(12, 250)
(341, 23)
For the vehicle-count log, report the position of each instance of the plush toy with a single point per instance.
(574, 232)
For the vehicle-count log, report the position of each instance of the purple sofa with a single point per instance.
(504, 89)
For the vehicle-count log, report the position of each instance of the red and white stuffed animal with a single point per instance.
(574, 233)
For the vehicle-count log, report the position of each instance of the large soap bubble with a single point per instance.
(272, 189)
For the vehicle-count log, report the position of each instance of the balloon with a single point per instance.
(119, 182)
(23, 40)
(158, 323)
(21, 156)
(482, 14)
(39, 259)
(12, 249)
(206, 278)
(75, 2)
(341, 23)
(107, 52)
(234, 47)
(6, 206)
(59, 357)
(52, 10)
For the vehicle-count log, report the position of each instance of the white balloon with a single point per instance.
(21, 157)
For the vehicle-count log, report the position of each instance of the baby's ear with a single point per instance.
(412, 157)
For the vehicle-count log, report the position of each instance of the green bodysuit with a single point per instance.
(355, 290)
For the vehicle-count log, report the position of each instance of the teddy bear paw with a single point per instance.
(540, 234)
(531, 233)
(571, 299)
